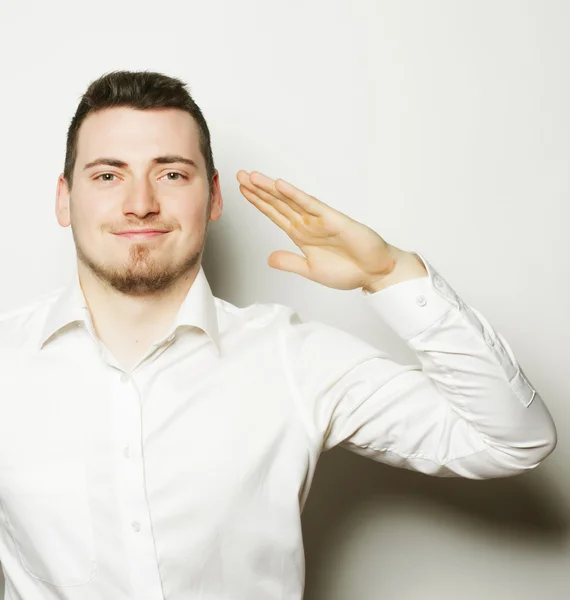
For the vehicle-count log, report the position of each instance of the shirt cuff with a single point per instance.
(412, 306)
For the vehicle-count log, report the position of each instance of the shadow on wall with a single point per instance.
(221, 255)
(520, 507)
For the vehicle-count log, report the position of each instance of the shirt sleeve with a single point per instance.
(467, 411)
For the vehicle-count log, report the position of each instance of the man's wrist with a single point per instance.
(408, 266)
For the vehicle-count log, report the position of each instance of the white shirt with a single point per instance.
(185, 479)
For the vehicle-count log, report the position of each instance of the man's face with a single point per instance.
(108, 199)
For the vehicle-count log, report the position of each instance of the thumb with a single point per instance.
(289, 261)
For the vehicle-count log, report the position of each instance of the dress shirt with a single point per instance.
(185, 478)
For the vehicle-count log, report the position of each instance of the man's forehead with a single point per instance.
(140, 141)
(128, 124)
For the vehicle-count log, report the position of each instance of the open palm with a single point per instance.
(339, 252)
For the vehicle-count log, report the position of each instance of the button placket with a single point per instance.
(131, 488)
(131, 427)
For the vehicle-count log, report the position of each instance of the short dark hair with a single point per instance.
(141, 90)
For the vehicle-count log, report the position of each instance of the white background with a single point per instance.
(444, 126)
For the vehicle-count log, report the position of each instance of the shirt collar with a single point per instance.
(197, 310)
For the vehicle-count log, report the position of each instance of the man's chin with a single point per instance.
(140, 276)
(137, 281)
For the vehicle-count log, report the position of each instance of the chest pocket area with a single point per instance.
(46, 511)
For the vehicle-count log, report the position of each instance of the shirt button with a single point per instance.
(124, 377)
(136, 526)
(126, 452)
(490, 341)
(421, 301)
(438, 281)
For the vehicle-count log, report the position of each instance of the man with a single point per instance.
(158, 442)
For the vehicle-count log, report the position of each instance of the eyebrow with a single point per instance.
(159, 160)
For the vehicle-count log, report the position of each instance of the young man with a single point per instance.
(159, 442)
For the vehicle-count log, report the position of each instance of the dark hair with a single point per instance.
(141, 90)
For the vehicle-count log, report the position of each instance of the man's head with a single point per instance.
(145, 122)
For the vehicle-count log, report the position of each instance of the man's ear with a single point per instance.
(62, 199)
(217, 202)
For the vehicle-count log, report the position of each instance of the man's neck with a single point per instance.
(127, 325)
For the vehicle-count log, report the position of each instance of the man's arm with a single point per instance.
(468, 410)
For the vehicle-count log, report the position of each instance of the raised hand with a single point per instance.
(339, 252)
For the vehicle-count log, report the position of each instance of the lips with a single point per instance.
(141, 233)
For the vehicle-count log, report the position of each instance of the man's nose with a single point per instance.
(141, 198)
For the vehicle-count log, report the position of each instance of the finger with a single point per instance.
(289, 261)
(268, 210)
(291, 210)
(279, 201)
(294, 197)
(266, 184)
(279, 205)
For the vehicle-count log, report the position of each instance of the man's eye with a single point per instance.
(113, 175)
(179, 175)
(103, 175)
